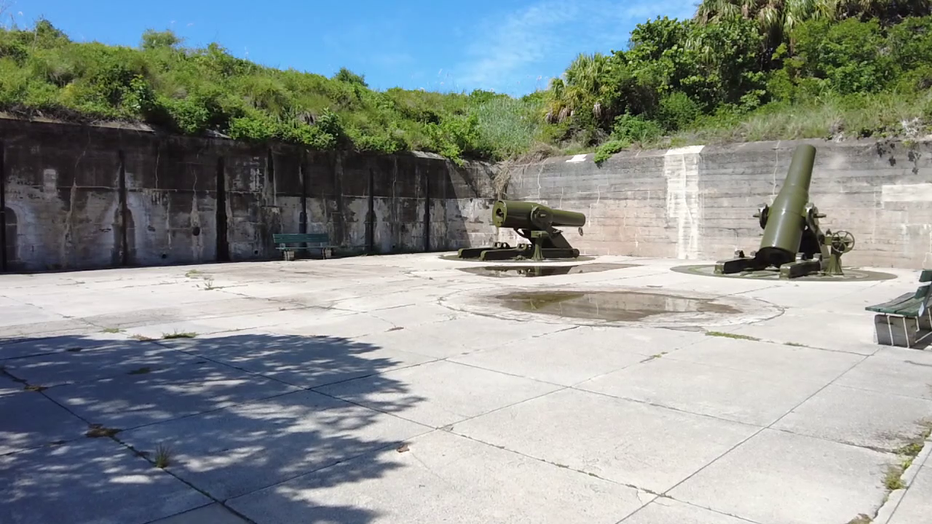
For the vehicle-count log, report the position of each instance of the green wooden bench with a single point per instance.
(905, 321)
(288, 243)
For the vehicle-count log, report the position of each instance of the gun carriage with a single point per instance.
(535, 222)
(793, 240)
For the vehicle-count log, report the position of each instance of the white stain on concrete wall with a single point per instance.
(576, 158)
(906, 193)
(49, 180)
(681, 171)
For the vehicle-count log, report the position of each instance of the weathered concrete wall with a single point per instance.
(698, 202)
(80, 197)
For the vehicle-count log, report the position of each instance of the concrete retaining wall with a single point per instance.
(82, 197)
(698, 202)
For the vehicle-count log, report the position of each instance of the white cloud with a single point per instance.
(526, 41)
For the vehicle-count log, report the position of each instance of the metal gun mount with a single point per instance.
(793, 241)
(535, 222)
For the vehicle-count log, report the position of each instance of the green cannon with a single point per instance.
(534, 222)
(793, 241)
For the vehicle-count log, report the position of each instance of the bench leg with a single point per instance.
(899, 331)
(883, 331)
(289, 255)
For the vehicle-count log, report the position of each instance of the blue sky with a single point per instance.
(510, 46)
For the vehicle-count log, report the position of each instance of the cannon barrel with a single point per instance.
(787, 217)
(531, 215)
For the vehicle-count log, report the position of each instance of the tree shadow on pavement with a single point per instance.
(226, 416)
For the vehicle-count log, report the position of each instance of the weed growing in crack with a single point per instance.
(914, 445)
(730, 335)
(163, 455)
(894, 478)
(101, 431)
(908, 452)
(112, 330)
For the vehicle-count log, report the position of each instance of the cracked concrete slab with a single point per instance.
(53, 328)
(77, 364)
(19, 313)
(133, 400)
(28, 419)
(91, 481)
(916, 505)
(627, 442)
(443, 477)
(860, 417)
(894, 370)
(306, 362)
(45, 344)
(8, 385)
(541, 418)
(212, 514)
(557, 358)
(742, 396)
(664, 510)
(244, 448)
(439, 393)
(778, 360)
(848, 332)
(782, 478)
(462, 335)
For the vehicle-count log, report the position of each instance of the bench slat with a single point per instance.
(908, 305)
(295, 238)
(906, 302)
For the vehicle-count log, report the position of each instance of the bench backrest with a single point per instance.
(300, 238)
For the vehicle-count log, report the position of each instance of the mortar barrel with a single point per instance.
(528, 215)
(786, 218)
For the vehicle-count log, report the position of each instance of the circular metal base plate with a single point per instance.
(851, 274)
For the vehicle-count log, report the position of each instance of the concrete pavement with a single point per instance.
(400, 389)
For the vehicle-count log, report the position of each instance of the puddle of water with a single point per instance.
(612, 306)
(541, 271)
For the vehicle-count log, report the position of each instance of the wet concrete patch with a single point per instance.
(624, 306)
(602, 304)
(541, 270)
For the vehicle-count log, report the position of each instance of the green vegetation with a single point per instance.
(193, 91)
(163, 456)
(893, 480)
(739, 70)
(734, 336)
